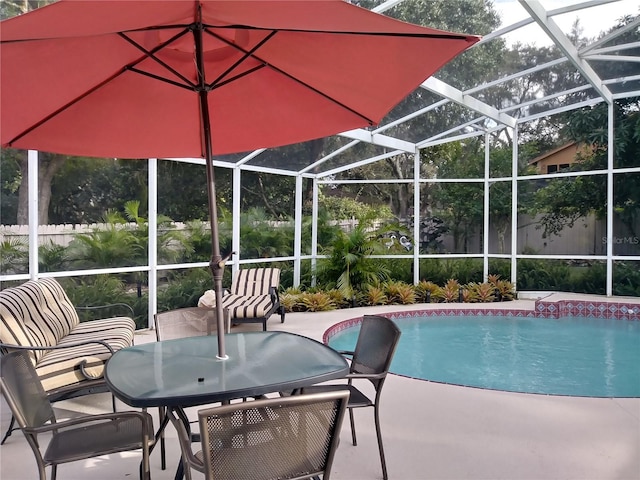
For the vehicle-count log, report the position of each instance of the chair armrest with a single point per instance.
(368, 376)
(144, 417)
(96, 312)
(81, 365)
(275, 296)
(185, 440)
(57, 347)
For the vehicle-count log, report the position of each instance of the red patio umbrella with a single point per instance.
(190, 78)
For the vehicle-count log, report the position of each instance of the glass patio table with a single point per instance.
(185, 372)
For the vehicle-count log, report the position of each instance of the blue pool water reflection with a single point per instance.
(569, 356)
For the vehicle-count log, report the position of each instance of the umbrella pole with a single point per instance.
(217, 263)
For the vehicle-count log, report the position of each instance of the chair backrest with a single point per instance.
(255, 281)
(23, 390)
(375, 347)
(282, 437)
(184, 322)
(36, 313)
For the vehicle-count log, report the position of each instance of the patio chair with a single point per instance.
(375, 347)
(253, 297)
(284, 437)
(71, 440)
(184, 322)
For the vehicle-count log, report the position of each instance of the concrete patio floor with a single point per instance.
(430, 430)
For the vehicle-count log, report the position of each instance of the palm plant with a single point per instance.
(167, 237)
(261, 239)
(52, 257)
(14, 256)
(196, 242)
(111, 246)
(348, 266)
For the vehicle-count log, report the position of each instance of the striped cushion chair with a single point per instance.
(69, 355)
(253, 297)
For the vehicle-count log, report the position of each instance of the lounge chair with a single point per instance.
(253, 297)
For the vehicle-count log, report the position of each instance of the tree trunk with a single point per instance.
(48, 166)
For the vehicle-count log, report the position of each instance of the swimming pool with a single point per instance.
(572, 355)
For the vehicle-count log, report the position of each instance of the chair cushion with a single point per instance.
(36, 313)
(60, 368)
(255, 281)
(240, 306)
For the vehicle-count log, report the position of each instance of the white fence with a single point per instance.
(587, 237)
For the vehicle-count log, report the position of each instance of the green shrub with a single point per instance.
(374, 295)
(626, 279)
(184, 289)
(479, 292)
(317, 302)
(591, 277)
(427, 292)
(399, 293)
(543, 275)
(451, 291)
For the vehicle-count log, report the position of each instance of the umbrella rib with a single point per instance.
(212, 86)
(446, 36)
(264, 63)
(64, 107)
(151, 54)
(162, 79)
(246, 55)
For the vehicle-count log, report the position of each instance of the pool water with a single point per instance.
(575, 356)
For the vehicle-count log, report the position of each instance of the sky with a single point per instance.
(593, 20)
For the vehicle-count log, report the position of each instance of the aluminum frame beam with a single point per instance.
(445, 90)
(555, 33)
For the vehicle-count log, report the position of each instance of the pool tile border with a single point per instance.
(628, 311)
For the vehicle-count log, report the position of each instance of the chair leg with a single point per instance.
(9, 430)
(162, 412)
(145, 467)
(353, 428)
(380, 446)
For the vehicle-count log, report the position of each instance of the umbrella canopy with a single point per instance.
(188, 78)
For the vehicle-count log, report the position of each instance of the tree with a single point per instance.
(459, 204)
(49, 163)
(84, 188)
(562, 202)
(478, 64)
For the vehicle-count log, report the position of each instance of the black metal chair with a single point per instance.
(375, 347)
(71, 440)
(284, 437)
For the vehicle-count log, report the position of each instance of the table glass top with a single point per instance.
(186, 372)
